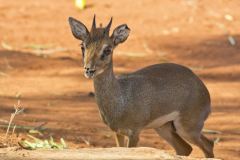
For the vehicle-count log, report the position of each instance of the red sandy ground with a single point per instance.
(53, 90)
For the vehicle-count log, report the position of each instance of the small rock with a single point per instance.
(91, 94)
(228, 17)
(231, 40)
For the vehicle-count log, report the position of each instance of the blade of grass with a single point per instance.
(21, 127)
(63, 143)
(209, 131)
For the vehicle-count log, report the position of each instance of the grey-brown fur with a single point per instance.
(166, 97)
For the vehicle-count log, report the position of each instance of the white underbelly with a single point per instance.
(162, 120)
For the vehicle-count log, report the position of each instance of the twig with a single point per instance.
(18, 110)
(39, 46)
(4, 121)
(217, 140)
(39, 127)
(14, 129)
(49, 51)
(20, 127)
(11, 137)
(3, 74)
(211, 131)
(133, 54)
(6, 46)
(86, 141)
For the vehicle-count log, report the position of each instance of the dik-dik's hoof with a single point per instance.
(185, 151)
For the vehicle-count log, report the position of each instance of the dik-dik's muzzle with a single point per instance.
(89, 72)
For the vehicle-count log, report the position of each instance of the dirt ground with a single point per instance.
(52, 88)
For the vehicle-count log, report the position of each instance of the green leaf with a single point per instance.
(45, 144)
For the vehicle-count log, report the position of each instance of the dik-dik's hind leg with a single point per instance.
(209, 145)
(167, 132)
(192, 133)
(119, 140)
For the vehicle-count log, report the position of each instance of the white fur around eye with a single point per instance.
(103, 48)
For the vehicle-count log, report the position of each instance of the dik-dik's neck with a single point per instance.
(106, 84)
(108, 94)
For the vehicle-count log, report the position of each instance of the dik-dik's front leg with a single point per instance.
(119, 140)
(133, 140)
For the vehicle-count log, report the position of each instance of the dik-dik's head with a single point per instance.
(97, 46)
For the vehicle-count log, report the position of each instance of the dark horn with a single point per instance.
(94, 23)
(107, 28)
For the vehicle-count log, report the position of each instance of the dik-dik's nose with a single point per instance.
(89, 72)
(89, 69)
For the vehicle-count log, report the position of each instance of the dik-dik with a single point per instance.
(167, 97)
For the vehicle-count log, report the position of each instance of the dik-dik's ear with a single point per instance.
(120, 34)
(79, 30)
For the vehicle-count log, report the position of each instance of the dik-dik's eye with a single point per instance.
(106, 52)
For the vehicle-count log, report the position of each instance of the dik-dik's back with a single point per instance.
(168, 98)
(160, 90)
